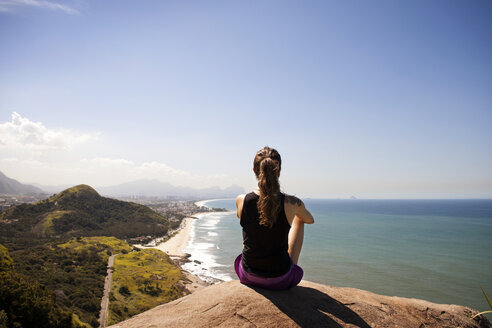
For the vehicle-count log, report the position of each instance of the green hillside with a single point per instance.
(142, 280)
(77, 211)
(5, 259)
(54, 262)
(68, 279)
(24, 302)
(73, 270)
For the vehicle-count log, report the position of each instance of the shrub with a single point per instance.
(124, 290)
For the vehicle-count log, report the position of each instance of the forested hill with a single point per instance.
(77, 211)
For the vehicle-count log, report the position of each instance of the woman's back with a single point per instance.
(265, 250)
(271, 248)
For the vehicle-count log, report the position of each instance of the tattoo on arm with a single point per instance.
(294, 200)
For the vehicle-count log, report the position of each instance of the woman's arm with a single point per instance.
(297, 208)
(239, 205)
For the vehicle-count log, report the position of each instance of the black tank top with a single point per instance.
(265, 251)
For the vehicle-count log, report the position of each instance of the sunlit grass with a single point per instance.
(141, 281)
(76, 322)
(113, 244)
(47, 222)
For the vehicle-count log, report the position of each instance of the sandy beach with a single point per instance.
(174, 247)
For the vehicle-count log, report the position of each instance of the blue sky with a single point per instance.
(383, 99)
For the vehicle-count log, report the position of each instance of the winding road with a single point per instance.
(107, 287)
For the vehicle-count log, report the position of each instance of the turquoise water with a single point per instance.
(438, 250)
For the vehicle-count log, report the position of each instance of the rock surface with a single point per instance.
(231, 304)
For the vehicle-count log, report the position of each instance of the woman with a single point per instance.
(270, 252)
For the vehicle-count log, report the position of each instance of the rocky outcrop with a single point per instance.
(231, 304)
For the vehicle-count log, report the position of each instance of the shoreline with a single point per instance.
(174, 248)
(201, 203)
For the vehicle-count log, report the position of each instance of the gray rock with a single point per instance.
(231, 304)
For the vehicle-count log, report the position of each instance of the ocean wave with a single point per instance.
(203, 246)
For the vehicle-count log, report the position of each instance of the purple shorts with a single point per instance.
(286, 281)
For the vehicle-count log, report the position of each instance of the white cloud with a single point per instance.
(108, 162)
(118, 170)
(156, 168)
(32, 152)
(10, 160)
(101, 171)
(21, 133)
(10, 5)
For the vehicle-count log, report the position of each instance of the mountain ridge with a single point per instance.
(9, 186)
(154, 187)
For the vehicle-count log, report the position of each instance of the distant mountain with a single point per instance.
(10, 186)
(77, 211)
(51, 189)
(163, 189)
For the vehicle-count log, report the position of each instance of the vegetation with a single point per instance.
(77, 211)
(5, 260)
(45, 226)
(141, 281)
(488, 301)
(55, 271)
(114, 245)
(74, 271)
(26, 303)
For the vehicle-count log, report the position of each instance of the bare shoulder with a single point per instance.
(294, 207)
(240, 198)
(293, 200)
(239, 205)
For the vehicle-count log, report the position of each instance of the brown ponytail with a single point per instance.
(266, 166)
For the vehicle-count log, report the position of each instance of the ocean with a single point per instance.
(437, 250)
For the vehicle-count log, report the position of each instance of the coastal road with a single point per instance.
(105, 300)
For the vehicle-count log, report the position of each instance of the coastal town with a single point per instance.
(7, 201)
(173, 209)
